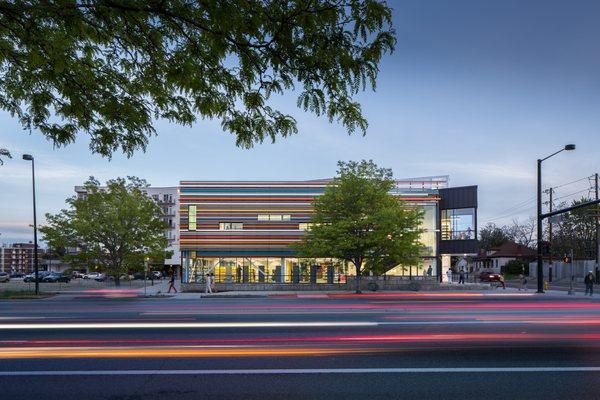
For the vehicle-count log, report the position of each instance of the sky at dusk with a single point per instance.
(477, 90)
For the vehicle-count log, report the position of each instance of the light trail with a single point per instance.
(176, 325)
(173, 352)
(35, 345)
(450, 370)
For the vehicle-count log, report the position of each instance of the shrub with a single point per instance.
(516, 267)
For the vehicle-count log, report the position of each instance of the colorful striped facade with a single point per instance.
(243, 202)
(245, 228)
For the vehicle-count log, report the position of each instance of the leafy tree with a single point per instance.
(575, 230)
(115, 227)
(492, 235)
(359, 221)
(4, 153)
(107, 68)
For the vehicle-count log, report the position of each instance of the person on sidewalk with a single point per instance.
(523, 280)
(213, 289)
(429, 271)
(208, 283)
(589, 283)
(172, 282)
(461, 276)
(449, 275)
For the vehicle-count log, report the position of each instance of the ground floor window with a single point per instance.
(287, 269)
(426, 268)
(265, 269)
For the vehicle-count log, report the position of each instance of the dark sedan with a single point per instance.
(31, 277)
(54, 277)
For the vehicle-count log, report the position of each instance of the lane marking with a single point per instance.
(195, 325)
(303, 371)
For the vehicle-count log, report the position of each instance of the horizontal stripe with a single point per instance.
(297, 371)
(176, 325)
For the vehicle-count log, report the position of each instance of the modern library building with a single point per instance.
(241, 231)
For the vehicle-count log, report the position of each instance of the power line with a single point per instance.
(514, 211)
(571, 194)
(570, 183)
(518, 205)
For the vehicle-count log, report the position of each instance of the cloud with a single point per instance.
(46, 169)
(480, 171)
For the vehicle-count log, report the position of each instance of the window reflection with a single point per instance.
(458, 224)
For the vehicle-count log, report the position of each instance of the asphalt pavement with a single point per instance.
(443, 345)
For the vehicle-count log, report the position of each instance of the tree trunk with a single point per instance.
(358, 276)
(117, 268)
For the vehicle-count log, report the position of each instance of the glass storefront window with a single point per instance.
(425, 269)
(458, 224)
(283, 270)
(428, 239)
(429, 216)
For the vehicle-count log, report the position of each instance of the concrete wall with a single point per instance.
(383, 283)
(561, 270)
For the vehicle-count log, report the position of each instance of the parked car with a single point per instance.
(487, 276)
(122, 277)
(31, 277)
(56, 277)
(17, 275)
(97, 276)
(78, 275)
(156, 274)
(138, 276)
(4, 277)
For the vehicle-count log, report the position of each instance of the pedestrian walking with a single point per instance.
(207, 283)
(172, 282)
(449, 275)
(523, 280)
(429, 271)
(212, 282)
(461, 276)
(589, 283)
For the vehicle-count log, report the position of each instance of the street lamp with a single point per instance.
(29, 157)
(146, 261)
(540, 265)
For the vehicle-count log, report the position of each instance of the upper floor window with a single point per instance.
(231, 226)
(458, 224)
(191, 218)
(274, 217)
(305, 226)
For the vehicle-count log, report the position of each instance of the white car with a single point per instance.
(4, 277)
(97, 276)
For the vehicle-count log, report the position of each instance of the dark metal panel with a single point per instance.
(459, 246)
(458, 197)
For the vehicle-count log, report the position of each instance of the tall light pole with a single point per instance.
(540, 264)
(28, 157)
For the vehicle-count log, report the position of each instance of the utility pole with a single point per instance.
(597, 229)
(550, 192)
(571, 291)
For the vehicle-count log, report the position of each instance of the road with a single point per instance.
(374, 346)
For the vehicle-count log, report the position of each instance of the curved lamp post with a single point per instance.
(540, 265)
(29, 157)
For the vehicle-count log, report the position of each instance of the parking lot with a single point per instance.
(18, 285)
